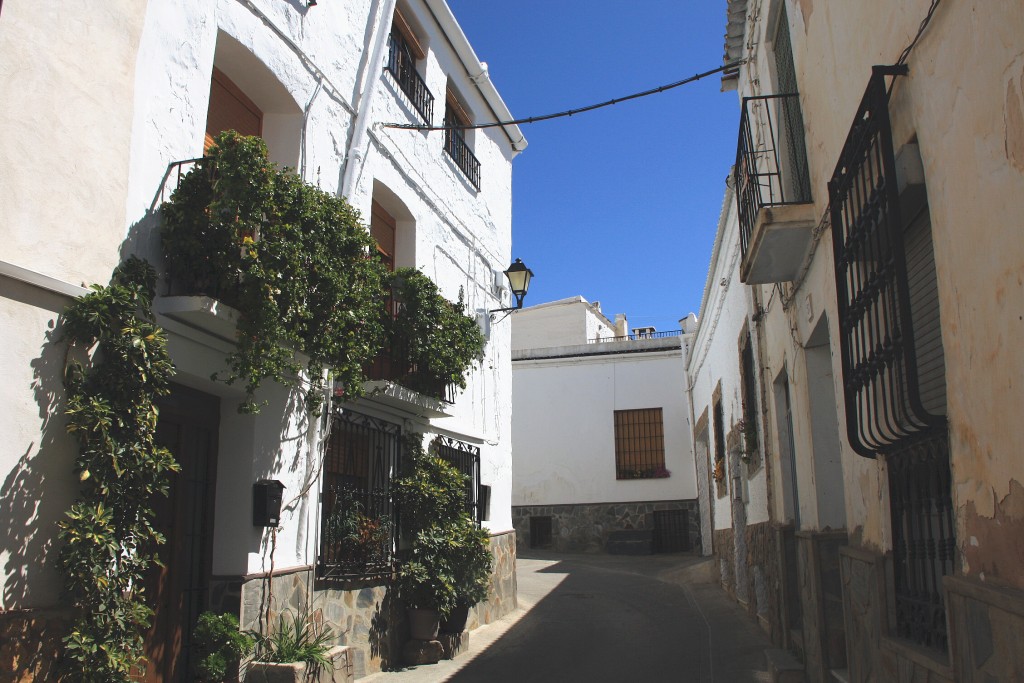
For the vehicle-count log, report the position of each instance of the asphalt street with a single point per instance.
(609, 618)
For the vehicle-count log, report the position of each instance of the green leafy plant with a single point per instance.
(109, 540)
(295, 260)
(297, 638)
(355, 536)
(426, 578)
(471, 561)
(441, 341)
(449, 559)
(220, 645)
(430, 489)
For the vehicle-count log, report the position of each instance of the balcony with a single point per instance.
(773, 193)
(402, 66)
(395, 380)
(458, 150)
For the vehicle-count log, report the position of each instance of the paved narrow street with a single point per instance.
(610, 618)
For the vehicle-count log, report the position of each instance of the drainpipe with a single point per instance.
(356, 152)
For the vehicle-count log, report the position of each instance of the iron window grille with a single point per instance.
(639, 444)
(457, 148)
(466, 458)
(880, 378)
(402, 66)
(771, 162)
(885, 413)
(924, 537)
(358, 526)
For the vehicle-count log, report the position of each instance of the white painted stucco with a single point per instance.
(100, 99)
(714, 370)
(564, 402)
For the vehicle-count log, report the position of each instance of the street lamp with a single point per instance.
(519, 277)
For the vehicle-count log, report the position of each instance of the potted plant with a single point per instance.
(297, 649)
(426, 581)
(471, 564)
(220, 646)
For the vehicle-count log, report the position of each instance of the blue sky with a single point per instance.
(621, 204)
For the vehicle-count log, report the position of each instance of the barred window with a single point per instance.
(357, 534)
(466, 458)
(639, 444)
(893, 364)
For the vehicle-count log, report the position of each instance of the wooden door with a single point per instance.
(178, 591)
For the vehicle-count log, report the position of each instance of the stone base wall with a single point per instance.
(872, 654)
(764, 577)
(986, 630)
(362, 615)
(759, 578)
(585, 528)
(821, 600)
(30, 645)
(725, 552)
(502, 597)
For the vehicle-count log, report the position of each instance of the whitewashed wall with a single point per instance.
(80, 190)
(564, 429)
(559, 323)
(714, 362)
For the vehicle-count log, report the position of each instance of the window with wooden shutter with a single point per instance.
(382, 229)
(230, 109)
(639, 444)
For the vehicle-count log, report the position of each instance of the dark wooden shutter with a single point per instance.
(382, 229)
(230, 109)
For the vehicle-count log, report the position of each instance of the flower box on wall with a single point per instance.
(295, 672)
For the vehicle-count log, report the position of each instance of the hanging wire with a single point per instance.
(571, 112)
(924, 24)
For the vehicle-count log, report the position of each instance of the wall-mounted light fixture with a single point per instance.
(519, 277)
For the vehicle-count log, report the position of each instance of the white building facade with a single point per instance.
(603, 460)
(146, 83)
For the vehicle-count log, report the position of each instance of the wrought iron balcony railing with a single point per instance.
(394, 365)
(458, 150)
(771, 159)
(402, 66)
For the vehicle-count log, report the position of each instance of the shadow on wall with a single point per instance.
(31, 500)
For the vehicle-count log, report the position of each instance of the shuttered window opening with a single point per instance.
(791, 134)
(230, 109)
(382, 229)
(639, 444)
(924, 308)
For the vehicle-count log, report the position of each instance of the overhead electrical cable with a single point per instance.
(571, 112)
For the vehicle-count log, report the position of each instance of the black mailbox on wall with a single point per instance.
(266, 502)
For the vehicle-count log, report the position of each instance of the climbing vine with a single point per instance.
(295, 260)
(441, 341)
(108, 534)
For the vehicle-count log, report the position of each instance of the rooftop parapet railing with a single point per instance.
(637, 336)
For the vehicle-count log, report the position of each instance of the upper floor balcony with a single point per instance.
(456, 147)
(773, 191)
(402, 66)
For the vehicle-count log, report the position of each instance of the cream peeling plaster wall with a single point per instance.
(564, 428)
(963, 101)
(714, 362)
